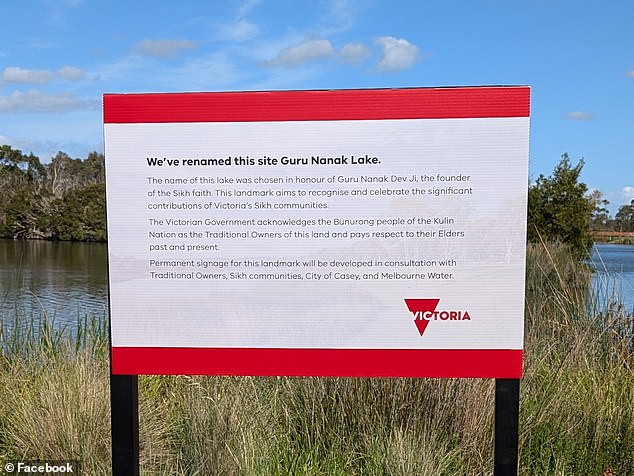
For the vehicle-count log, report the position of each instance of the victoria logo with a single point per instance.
(424, 311)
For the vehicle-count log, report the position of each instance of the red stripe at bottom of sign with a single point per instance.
(495, 363)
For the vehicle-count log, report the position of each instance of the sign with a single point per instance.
(318, 233)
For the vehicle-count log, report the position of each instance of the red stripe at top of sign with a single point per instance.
(359, 104)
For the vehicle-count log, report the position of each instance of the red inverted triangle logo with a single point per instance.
(419, 307)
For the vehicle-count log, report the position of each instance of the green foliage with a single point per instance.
(559, 210)
(61, 200)
(600, 219)
(18, 215)
(80, 215)
(625, 217)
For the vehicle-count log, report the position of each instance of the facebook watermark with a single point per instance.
(41, 467)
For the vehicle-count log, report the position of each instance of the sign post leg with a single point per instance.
(124, 417)
(507, 409)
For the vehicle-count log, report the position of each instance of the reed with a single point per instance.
(576, 417)
(54, 392)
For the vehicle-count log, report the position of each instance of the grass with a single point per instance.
(578, 394)
(577, 408)
(54, 393)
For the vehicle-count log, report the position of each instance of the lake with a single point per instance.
(614, 276)
(67, 281)
(63, 281)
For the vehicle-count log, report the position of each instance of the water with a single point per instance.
(614, 275)
(68, 281)
(59, 280)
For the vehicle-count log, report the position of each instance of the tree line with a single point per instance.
(65, 200)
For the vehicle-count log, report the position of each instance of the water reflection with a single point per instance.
(59, 280)
(67, 281)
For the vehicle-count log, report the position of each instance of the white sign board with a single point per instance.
(361, 233)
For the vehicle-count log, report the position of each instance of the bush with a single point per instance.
(559, 209)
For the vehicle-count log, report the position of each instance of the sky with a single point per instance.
(58, 58)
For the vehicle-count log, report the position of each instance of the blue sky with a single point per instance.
(57, 58)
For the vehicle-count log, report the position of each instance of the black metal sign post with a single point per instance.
(124, 417)
(507, 411)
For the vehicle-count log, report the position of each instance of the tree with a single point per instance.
(94, 169)
(62, 200)
(624, 218)
(559, 209)
(80, 215)
(600, 219)
(21, 183)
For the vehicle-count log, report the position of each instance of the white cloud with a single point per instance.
(339, 17)
(195, 73)
(15, 74)
(58, 15)
(580, 116)
(354, 53)
(397, 54)
(164, 48)
(307, 51)
(239, 31)
(200, 73)
(37, 101)
(247, 7)
(628, 193)
(71, 73)
(630, 73)
(124, 69)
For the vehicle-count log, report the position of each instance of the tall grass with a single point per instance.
(54, 392)
(577, 408)
(578, 394)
